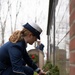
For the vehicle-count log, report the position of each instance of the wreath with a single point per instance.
(34, 57)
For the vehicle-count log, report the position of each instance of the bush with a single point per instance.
(50, 69)
(35, 73)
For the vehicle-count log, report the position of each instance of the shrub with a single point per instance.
(50, 69)
(35, 73)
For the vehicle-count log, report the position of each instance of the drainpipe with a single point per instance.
(54, 35)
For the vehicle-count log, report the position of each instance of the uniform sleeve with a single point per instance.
(29, 61)
(16, 59)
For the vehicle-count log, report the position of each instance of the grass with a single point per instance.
(35, 73)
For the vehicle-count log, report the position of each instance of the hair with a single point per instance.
(18, 35)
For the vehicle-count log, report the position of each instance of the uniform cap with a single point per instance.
(34, 28)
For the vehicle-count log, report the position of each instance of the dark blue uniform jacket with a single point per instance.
(15, 55)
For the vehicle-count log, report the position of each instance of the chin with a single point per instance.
(30, 43)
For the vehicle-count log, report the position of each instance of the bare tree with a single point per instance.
(18, 6)
(4, 18)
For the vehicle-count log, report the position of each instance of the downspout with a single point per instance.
(54, 35)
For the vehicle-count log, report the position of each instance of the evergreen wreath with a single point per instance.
(34, 57)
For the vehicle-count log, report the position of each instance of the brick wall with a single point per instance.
(72, 37)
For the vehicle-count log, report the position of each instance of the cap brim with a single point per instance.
(38, 37)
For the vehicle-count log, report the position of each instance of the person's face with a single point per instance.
(32, 39)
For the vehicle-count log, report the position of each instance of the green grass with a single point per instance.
(35, 73)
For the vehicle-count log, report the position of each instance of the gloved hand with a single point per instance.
(42, 72)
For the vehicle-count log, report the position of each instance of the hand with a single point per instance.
(42, 73)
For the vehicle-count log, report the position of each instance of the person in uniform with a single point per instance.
(14, 59)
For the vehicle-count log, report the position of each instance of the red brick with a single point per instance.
(72, 4)
(72, 17)
(72, 33)
(72, 7)
(72, 30)
(72, 57)
(72, 70)
(72, 44)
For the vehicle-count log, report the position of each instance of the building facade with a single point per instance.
(72, 37)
